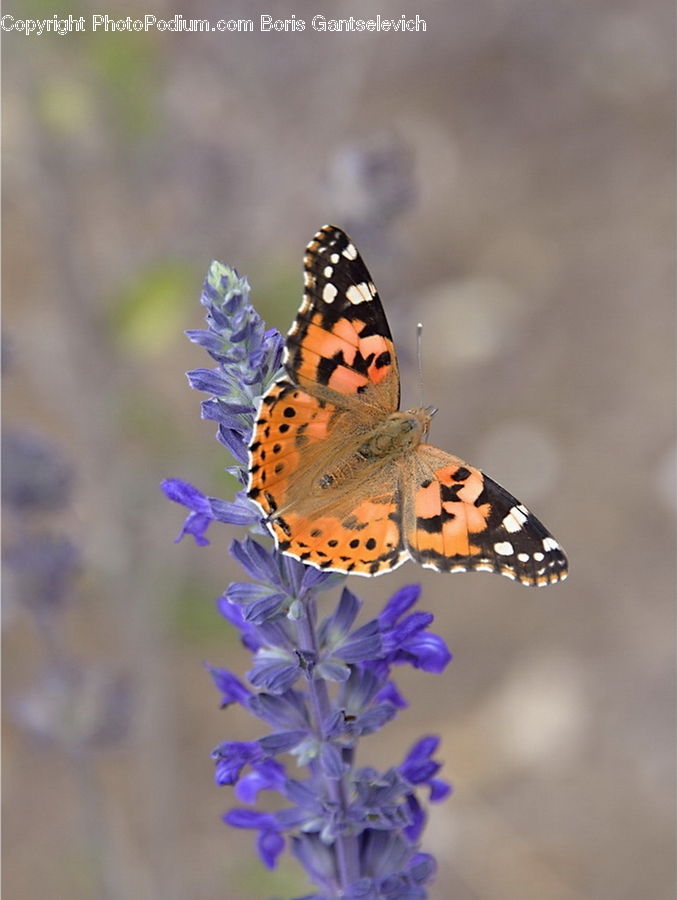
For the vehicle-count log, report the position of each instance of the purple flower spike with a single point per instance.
(316, 685)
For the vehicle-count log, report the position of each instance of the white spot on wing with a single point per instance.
(358, 293)
(523, 557)
(538, 556)
(504, 548)
(329, 292)
(350, 252)
(328, 271)
(549, 543)
(514, 520)
(334, 258)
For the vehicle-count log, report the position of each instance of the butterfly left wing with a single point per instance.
(341, 380)
(456, 519)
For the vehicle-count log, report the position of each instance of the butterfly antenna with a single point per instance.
(419, 361)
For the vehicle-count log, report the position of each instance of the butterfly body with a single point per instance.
(345, 479)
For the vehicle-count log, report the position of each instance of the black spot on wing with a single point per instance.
(430, 524)
(449, 493)
(461, 474)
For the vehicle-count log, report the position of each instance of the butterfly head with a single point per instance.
(424, 417)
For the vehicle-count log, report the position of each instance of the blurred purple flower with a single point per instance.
(73, 707)
(35, 476)
(42, 569)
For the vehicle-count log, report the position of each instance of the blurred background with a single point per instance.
(506, 175)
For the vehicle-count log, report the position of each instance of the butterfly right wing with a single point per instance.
(340, 346)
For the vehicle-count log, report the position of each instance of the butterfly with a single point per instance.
(344, 478)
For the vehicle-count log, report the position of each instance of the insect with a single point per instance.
(344, 478)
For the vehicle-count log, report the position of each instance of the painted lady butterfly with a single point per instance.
(342, 475)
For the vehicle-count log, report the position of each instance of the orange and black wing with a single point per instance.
(341, 379)
(456, 519)
(340, 345)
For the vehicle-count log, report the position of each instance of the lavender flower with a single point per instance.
(318, 682)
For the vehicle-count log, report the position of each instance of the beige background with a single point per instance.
(507, 176)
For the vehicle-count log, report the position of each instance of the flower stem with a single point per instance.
(346, 844)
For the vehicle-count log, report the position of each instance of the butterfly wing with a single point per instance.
(456, 519)
(340, 346)
(306, 474)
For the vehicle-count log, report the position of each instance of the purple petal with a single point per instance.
(282, 742)
(422, 749)
(231, 757)
(238, 513)
(303, 795)
(438, 790)
(278, 711)
(268, 775)
(341, 621)
(211, 381)
(417, 815)
(375, 718)
(315, 578)
(185, 493)
(391, 694)
(331, 670)
(427, 652)
(249, 818)
(234, 442)
(422, 867)
(213, 343)
(244, 592)
(403, 631)
(331, 761)
(276, 676)
(195, 525)
(249, 633)
(256, 561)
(231, 687)
(399, 603)
(362, 644)
(270, 844)
(265, 608)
